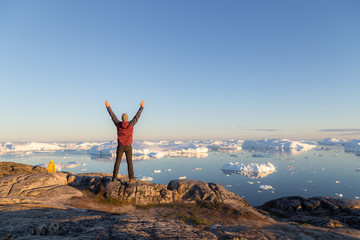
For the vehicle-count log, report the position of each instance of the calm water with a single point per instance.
(318, 172)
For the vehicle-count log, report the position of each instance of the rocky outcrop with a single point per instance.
(32, 188)
(43, 206)
(11, 168)
(319, 211)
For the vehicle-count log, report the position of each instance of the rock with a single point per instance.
(45, 186)
(11, 168)
(139, 192)
(331, 223)
(319, 211)
(193, 191)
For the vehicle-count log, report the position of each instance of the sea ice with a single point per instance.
(182, 178)
(157, 171)
(252, 170)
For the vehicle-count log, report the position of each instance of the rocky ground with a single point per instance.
(39, 205)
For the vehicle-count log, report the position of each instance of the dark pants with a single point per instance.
(119, 153)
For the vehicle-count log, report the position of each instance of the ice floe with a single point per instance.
(252, 170)
(339, 195)
(182, 178)
(197, 169)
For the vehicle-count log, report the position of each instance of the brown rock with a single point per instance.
(11, 168)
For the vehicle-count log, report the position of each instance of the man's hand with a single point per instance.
(107, 104)
(142, 104)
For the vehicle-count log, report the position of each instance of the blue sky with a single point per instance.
(206, 69)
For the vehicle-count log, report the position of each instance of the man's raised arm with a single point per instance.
(137, 116)
(112, 115)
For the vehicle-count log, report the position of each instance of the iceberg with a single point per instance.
(31, 147)
(278, 145)
(332, 142)
(352, 146)
(147, 179)
(103, 150)
(252, 170)
(225, 146)
(266, 187)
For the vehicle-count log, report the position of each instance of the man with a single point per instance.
(125, 138)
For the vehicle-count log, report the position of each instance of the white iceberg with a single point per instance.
(182, 178)
(32, 147)
(266, 187)
(106, 149)
(252, 170)
(332, 142)
(278, 145)
(147, 179)
(352, 146)
(224, 146)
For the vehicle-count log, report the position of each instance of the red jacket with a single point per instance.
(125, 129)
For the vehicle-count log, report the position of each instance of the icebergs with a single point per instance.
(352, 146)
(278, 144)
(332, 142)
(30, 147)
(252, 170)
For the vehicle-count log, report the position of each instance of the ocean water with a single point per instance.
(324, 171)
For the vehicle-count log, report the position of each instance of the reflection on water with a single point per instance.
(142, 157)
(252, 175)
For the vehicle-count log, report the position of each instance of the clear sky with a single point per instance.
(206, 69)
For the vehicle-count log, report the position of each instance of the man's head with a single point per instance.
(125, 117)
